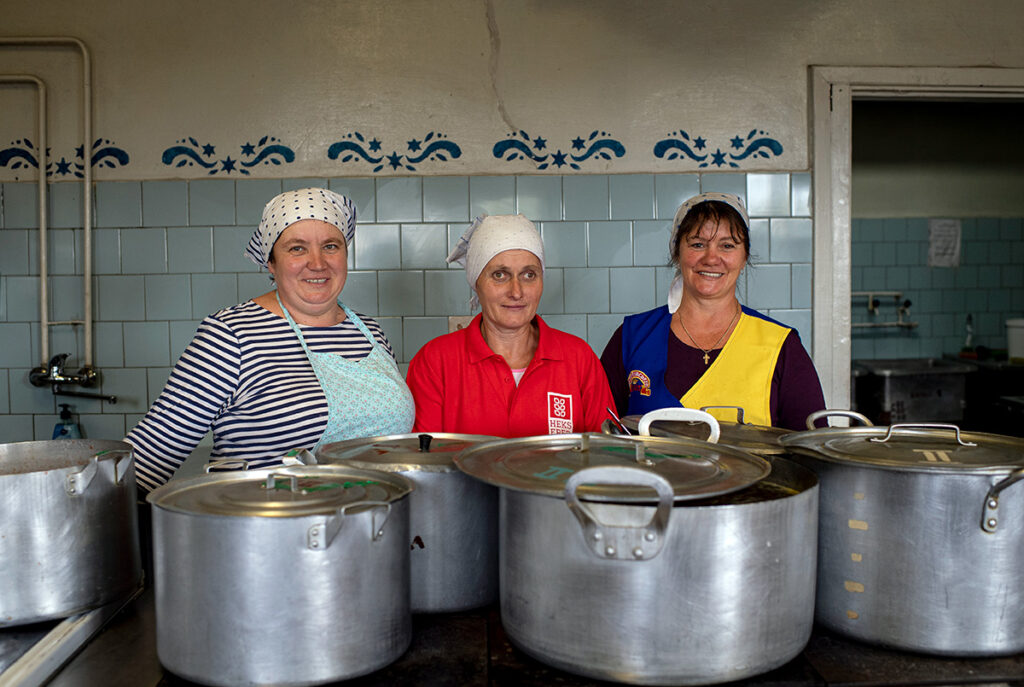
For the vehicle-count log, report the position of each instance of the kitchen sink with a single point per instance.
(895, 390)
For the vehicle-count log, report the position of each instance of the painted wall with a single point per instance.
(237, 88)
(937, 159)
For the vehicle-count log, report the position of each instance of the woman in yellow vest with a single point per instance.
(704, 348)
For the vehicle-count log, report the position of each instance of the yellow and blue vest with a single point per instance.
(741, 375)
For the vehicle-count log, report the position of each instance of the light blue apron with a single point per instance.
(365, 398)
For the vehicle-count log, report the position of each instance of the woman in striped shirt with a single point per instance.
(293, 368)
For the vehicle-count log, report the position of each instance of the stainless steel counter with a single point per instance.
(471, 649)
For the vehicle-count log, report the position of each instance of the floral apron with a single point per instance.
(365, 397)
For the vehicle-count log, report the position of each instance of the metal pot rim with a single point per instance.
(27, 457)
(542, 465)
(210, 495)
(400, 452)
(928, 448)
(756, 439)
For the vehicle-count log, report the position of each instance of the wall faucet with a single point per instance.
(54, 375)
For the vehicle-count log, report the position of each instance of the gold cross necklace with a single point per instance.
(707, 352)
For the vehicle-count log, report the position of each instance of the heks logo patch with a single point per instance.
(559, 413)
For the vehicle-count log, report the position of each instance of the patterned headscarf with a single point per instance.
(675, 291)
(489, 235)
(289, 207)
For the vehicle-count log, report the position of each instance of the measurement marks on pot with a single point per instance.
(855, 557)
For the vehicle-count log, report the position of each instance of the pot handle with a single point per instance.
(621, 542)
(922, 425)
(680, 414)
(828, 412)
(989, 521)
(122, 465)
(225, 462)
(320, 536)
(738, 409)
(77, 482)
(124, 458)
(298, 456)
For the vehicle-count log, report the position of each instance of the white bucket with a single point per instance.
(1015, 340)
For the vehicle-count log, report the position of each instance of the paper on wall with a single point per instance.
(944, 242)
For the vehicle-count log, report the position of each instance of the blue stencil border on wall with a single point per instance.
(434, 147)
(679, 146)
(22, 154)
(521, 146)
(188, 153)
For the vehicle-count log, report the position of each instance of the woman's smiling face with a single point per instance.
(309, 262)
(711, 259)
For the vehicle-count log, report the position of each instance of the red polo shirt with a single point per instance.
(461, 385)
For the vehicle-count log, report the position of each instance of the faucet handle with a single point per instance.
(57, 363)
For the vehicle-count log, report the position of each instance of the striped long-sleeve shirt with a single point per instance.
(246, 377)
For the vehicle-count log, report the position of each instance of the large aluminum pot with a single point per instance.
(649, 560)
(70, 538)
(673, 422)
(453, 518)
(289, 576)
(921, 536)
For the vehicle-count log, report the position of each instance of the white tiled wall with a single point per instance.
(167, 253)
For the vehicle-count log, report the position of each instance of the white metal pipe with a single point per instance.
(86, 190)
(44, 329)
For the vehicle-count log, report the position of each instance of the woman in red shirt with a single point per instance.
(507, 374)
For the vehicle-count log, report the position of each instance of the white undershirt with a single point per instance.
(518, 374)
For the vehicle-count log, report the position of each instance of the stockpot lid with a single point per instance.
(424, 452)
(756, 439)
(285, 492)
(541, 465)
(911, 447)
(25, 457)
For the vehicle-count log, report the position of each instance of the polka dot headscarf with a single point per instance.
(289, 207)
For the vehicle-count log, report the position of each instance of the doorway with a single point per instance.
(833, 90)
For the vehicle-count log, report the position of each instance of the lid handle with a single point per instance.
(923, 425)
(738, 409)
(680, 414)
(425, 443)
(989, 519)
(621, 542)
(831, 412)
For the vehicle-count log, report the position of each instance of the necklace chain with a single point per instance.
(707, 352)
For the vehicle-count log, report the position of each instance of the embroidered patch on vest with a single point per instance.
(638, 381)
(559, 413)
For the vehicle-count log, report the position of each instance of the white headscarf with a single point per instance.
(290, 207)
(675, 291)
(489, 235)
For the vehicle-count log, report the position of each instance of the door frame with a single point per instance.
(833, 90)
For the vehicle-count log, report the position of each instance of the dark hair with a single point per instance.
(714, 211)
